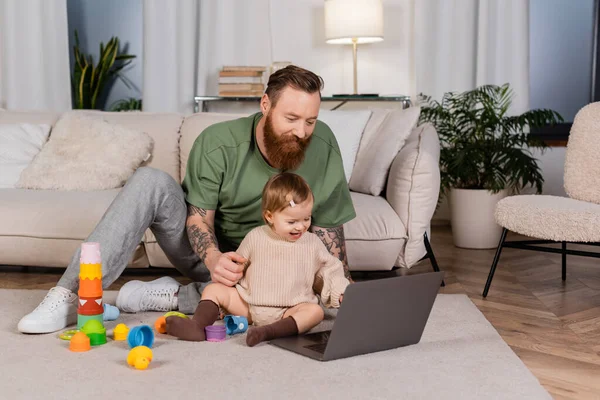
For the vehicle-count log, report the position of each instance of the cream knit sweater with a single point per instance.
(284, 273)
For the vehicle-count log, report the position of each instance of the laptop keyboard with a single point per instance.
(319, 347)
(320, 338)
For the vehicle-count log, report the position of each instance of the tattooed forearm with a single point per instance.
(202, 240)
(335, 242)
(200, 230)
(193, 210)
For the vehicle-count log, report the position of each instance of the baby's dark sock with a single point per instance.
(206, 314)
(281, 328)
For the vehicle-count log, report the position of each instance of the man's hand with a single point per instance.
(225, 268)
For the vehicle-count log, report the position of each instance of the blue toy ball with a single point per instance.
(235, 324)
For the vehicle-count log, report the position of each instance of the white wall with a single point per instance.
(97, 21)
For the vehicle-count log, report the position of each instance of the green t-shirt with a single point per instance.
(226, 172)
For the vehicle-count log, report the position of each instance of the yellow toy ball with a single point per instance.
(139, 357)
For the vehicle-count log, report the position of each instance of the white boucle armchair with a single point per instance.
(560, 220)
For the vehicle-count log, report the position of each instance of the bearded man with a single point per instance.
(200, 223)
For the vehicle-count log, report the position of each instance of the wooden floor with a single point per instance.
(553, 326)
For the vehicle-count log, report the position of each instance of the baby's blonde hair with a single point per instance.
(283, 189)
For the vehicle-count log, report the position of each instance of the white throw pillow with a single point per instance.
(87, 153)
(377, 151)
(347, 126)
(19, 144)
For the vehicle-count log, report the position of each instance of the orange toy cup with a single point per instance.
(79, 342)
(90, 288)
(161, 324)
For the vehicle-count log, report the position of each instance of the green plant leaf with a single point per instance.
(482, 147)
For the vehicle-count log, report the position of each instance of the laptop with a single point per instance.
(375, 315)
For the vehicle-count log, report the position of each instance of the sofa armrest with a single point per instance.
(413, 188)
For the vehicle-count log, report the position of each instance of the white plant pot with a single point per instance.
(473, 223)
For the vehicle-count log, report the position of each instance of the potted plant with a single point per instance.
(485, 155)
(89, 81)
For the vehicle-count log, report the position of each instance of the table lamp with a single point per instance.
(353, 22)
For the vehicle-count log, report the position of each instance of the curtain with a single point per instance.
(461, 44)
(34, 55)
(186, 42)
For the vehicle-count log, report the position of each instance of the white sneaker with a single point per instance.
(57, 311)
(157, 295)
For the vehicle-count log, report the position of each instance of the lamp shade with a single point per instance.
(353, 19)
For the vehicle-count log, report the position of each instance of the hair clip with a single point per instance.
(290, 199)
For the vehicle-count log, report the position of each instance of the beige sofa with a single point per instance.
(43, 227)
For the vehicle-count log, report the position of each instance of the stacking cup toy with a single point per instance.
(215, 333)
(235, 324)
(140, 336)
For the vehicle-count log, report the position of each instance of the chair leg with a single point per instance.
(564, 261)
(495, 263)
(431, 256)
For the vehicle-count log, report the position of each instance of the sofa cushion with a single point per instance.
(375, 220)
(163, 128)
(19, 144)
(379, 148)
(52, 214)
(375, 237)
(413, 189)
(192, 128)
(87, 153)
(347, 127)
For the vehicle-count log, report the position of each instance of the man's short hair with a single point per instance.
(295, 77)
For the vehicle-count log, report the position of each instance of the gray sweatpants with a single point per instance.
(150, 199)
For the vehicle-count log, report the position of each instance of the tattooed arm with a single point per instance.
(335, 242)
(225, 268)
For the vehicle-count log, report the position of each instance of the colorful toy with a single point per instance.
(68, 335)
(90, 306)
(139, 357)
(235, 324)
(160, 325)
(120, 332)
(95, 331)
(215, 333)
(111, 312)
(175, 314)
(140, 336)
(79, 342)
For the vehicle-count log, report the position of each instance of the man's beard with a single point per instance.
(285, 152)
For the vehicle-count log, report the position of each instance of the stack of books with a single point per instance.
(241, 81)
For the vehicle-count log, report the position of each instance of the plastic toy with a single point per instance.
(95, 331)
(215, 333)
(79, 342)
(235, 324)
(139, 357)
(111, 312)
(90, 307)
(120, 332)
(140, 336)
(68, 335)
(160, 325)
(175, 314)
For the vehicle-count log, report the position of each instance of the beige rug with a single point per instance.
(460, 356)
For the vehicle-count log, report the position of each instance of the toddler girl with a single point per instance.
(287, 265)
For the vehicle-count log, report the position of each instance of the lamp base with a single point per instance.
(356, 95)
